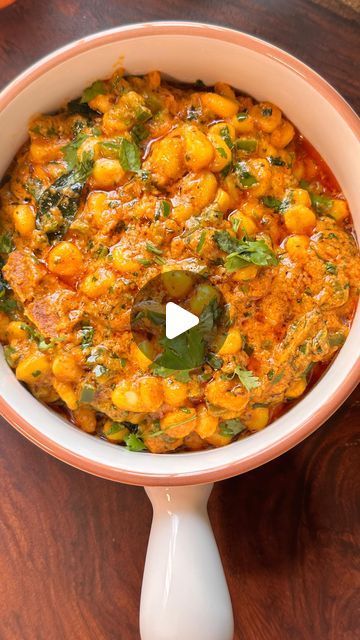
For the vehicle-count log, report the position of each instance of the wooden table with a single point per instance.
(72, 547)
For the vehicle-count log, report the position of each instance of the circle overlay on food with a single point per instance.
(190, 348)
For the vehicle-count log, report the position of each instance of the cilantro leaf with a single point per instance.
(247, 378)
(231, 427)
(320, 203)
(242, 252)
(244, 177)
(127, 152)
(71, 149)
(6, 243)
(98, 87)
(225, 134)
(271, 202)
(134, 442)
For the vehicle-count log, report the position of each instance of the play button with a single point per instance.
(178, 320)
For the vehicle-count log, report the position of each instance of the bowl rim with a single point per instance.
(304, 427)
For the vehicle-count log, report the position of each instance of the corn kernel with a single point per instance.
(154, 79)
(282, 135)
(222, 155)
(122, 262)
(204, 294)
(16, 330)
(65, 259)
(66, 393)
(224, 90)
(101, 102)
(221, 106)
(219, 127)
(300, 219)
(114, 431)
(98, 284)
(218, 440)
(4, 326)
(178, 424)
(142, 356)
(244, 124)
(24, 219)
(296, 388)
(266, 115)
(339, 210)
(97, 204)
(126, 397)
(107, 173)
(247, 226)
(85, 418)
(65, 368)
(222, 200)
(297, 246)
(300, 196)
(175, 393)
(232, 344)
(151, 393)
(258, 419)
(206, 423)
(177, 283)
(199, 151)
(32, 368)
(246, 273)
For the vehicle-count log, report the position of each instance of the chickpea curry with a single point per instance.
(139, 177)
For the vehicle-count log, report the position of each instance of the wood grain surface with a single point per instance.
(72, 546)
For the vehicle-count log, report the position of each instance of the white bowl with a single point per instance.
(187, 51)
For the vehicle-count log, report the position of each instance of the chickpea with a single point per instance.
(85, 418)
(300, 219)
(297, 246)
(122, 262)
(204, 294)
(206, 423)
(178, 424)
(65, 368)
(223, 154)
(199, 152)
(107, 173)
(257, 419)
(339, 210)
(32, 368)
(151, 393)
(232, 344)
(266, 115)
(296, 388)
(175, 393)
(221, 106)
(24, 219)
(177, 283)
(65, 259)
(98, 284)
(66, 393)
(282, 135)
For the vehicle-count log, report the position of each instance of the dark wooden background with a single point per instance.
(72, 546)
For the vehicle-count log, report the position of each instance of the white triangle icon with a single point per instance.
(178, 320)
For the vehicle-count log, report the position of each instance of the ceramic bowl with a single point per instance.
(182, 549)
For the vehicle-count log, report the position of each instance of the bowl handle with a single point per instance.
(184, 594)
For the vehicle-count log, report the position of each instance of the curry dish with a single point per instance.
(141, 177)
